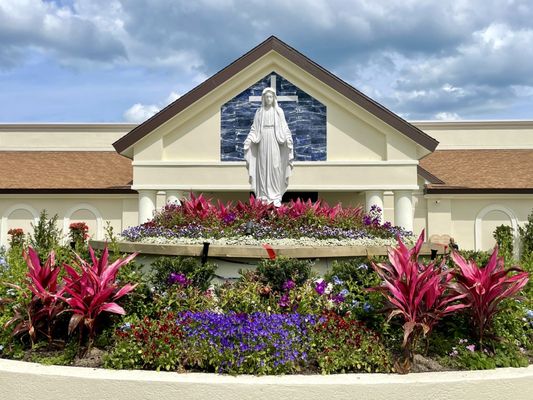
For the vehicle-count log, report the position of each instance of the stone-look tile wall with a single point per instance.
(306, 119)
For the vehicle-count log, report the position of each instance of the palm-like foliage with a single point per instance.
(416, 292)
(94, 289)
(484, 288)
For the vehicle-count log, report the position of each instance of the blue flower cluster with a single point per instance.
(256, 343)
(267, 230)
(136, 233)
(3, 261)
(529, 317)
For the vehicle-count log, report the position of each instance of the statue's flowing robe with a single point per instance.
(269, 154)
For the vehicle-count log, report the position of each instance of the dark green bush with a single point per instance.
(343, 344)
(526, 240)
(504, 238)
(355, 270)
(46, 236)
(149, 343)
(200, 274)
(275, 272)
(357, 275)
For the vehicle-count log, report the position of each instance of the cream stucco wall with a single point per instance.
(61, 137)
(456, 216)
(20, 211)
(459, 135)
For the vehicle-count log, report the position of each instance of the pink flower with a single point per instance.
(471, 348)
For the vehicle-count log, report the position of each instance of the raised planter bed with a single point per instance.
(230, 259)
(258, 251)
(20, 380)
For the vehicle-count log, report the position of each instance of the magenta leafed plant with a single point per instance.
(43, 278)
(418, 293)
(94, 290)
(484, 288)
(44, 305)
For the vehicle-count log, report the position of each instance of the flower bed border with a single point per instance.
(257, 252)
(34, 381)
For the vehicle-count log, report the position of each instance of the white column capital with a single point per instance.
(403, 209)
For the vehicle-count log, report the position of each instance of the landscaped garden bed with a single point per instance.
(254, 223)
(403, 313)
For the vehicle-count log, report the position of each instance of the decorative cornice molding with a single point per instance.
(447, 125)
(388, 163)
(81, 127)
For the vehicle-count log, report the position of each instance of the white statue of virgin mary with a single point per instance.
(268, 151)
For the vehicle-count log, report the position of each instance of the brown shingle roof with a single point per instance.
(480, 171)
(66, 171)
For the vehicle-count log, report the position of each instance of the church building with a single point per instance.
(454, 179)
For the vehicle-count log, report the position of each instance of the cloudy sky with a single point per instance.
(122, 60)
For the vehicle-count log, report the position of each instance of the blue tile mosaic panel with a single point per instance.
(305, 116)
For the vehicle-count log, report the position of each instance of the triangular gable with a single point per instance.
(274, 44)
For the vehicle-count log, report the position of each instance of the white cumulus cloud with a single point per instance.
(138, 112)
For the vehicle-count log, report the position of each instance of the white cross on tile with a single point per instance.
(273, 86)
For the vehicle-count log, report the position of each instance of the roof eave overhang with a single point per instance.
(478, 190)
(67, 191)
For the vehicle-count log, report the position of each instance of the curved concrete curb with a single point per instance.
(20, 380)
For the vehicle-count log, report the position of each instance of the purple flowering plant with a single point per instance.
(178, 279)
(257, 343)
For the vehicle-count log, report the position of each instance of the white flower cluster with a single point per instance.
(301, 242)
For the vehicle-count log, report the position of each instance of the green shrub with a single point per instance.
(139, 301)
(466, 355)
(275, 272)
(246, 295)
(504, 238)
(13, 271)
(46, 235)
(250, 294)
(343, 344)
(526, 240)
(200, 274)
(177, 299)
(508, 346)
(356, 276)
(149, 343)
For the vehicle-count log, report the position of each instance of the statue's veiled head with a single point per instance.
(268, 97)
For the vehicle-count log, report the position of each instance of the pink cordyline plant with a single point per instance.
(255, 209)
(416, 292)
(94, 290)
(44, 306)
(198, 207)
(484, 288)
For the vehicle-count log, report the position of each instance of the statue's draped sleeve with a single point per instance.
(255, 131)
(284, 138)
(250, 148)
